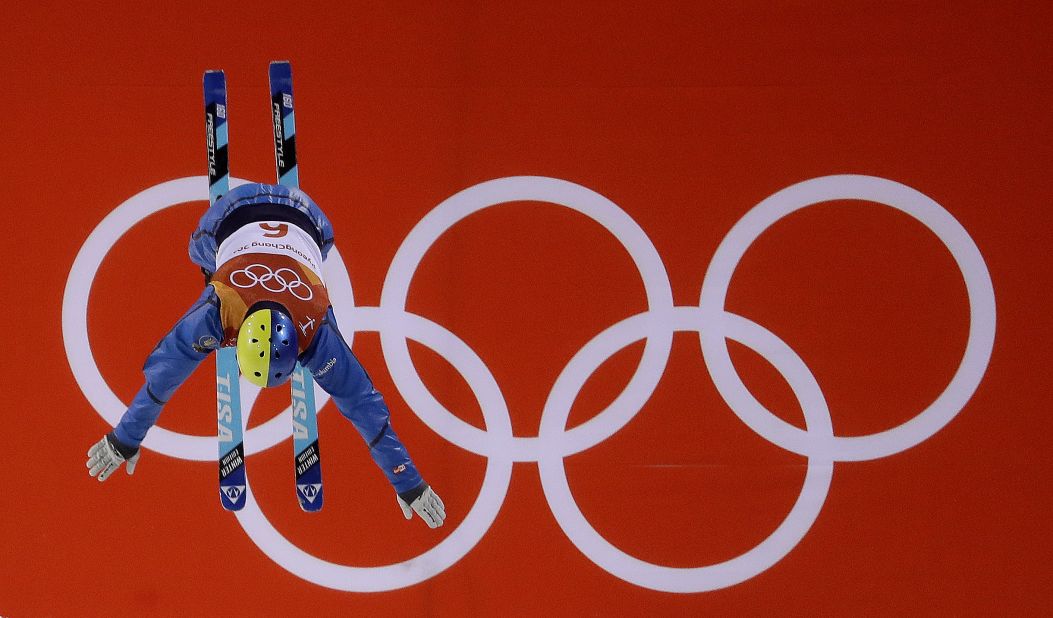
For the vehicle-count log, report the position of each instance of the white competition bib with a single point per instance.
(274, 237)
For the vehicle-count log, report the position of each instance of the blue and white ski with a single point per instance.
(231, 445)
(304, 414)
(216, 134)
(228, 386)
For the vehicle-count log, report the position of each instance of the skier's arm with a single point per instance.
(336, 370)
(168, 366)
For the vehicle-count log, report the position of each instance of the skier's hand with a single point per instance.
(107, 455)
(426, 503)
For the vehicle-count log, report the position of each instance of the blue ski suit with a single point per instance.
(328, 357)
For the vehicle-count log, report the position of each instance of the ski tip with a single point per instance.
(215, 80)
(280, 69)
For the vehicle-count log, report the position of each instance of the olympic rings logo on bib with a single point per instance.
(655, 326)
(271, 280)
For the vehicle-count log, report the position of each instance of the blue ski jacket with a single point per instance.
(328, 358)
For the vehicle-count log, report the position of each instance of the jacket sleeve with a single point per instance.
(336, 370)
(196, 334)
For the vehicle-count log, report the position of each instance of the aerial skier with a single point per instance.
(261, 249)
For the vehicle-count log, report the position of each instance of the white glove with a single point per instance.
(104, 458)
(428, 505)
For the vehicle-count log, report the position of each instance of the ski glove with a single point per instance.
(107, 455)
(425, 503)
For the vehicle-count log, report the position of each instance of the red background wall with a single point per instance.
(685, 115)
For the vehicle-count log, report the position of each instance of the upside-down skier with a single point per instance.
(261, 249)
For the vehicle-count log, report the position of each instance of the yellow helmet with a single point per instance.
(267, 345)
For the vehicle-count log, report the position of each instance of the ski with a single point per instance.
(228, 385)
(231, 443)
(304, 414)
(216, 134)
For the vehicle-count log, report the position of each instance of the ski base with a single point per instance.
(305, 415)
(232, 484)
(305, 441)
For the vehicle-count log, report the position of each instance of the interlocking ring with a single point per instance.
(281, 284)
(655, 326)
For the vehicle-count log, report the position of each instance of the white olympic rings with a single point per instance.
(289, 283)
(817, 442)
